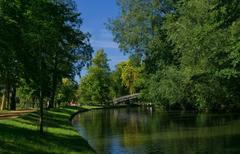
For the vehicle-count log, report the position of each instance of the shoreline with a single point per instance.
(90, 108)
(83, 109)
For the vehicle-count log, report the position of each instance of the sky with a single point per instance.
(95, 13)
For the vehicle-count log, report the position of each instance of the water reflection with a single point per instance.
(143, 130)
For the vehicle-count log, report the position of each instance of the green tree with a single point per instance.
(131, 76)
(201, 34)
(117, 88)
(190, 50)
(41, 43)
(10, 48)
(66, 91)
(95, 86)
(138, 30)
(26, 95)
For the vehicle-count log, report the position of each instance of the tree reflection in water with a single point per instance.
(143, 130)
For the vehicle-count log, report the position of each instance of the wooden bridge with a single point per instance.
(126, 99)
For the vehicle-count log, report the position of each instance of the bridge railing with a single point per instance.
(125, 98)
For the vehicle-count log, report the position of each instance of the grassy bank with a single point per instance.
(20, 135)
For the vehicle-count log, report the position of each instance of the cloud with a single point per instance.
(105, 44)
(103, 39)
(104, 33)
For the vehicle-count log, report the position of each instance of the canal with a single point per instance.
(143, 130)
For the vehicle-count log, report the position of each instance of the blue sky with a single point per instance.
(95, 13)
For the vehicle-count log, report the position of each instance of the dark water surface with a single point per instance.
(142, 130)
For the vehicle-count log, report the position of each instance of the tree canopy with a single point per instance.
(190, 49)
(94, 87)
(40, 44)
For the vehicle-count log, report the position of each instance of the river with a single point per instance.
(143, 130)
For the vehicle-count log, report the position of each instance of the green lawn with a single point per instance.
(91, 107)
(20, 135)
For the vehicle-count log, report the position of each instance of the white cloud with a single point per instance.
(103, 39)
(105, 44)
(106, 34)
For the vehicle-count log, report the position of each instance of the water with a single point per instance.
(142, 130)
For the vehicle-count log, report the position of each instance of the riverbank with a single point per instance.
(21, 135)
(86, 108)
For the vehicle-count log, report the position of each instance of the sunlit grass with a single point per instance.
(21, 135)
(91, 107)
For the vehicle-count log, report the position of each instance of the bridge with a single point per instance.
(126, 99)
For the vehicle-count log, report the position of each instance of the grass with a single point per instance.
(21, 135)
(91, 107)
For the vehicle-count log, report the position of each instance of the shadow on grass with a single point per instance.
(21, 135)
(58, 118)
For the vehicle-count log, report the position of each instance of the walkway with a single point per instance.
(13, 114)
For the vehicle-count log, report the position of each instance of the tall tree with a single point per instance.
(44, 40)
(95, 86)
(190, 50)
(138, 30)
(203, 38)
(10, 47)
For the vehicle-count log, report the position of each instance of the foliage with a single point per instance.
(66, 91)
(130, 76)
(41, 43)
(95, 86)
(138, 31)
(184, 53)
(190, 49)
(26, 95)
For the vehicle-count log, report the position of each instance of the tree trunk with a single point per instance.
(33, 102)
(3, 102)
(54, 85)
(5, 98)
(41, 95)
(13, 99)
(8, 97)
(41, 113)
(52, 100)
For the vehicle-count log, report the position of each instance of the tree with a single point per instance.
(74, 50)
(190, 50)
(131, 76)
(117, 88)
(61, 49)
(138, 30)
(95, 86)
(26, 94)
(10, 48)
(41, 43)
(198, 34)
(66, 91)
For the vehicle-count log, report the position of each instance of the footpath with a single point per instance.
(13, 114)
